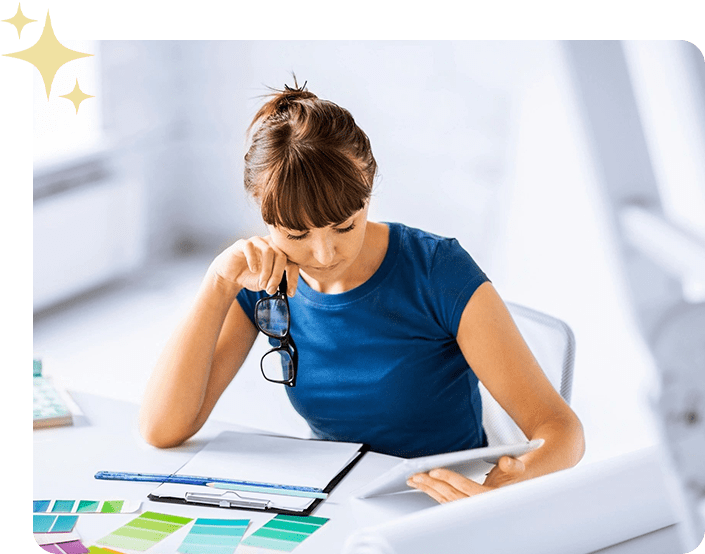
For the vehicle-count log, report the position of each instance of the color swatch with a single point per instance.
(85, 506)
(69, 547)
(144, 531)
(214, 536)
(281, 534)
(53, 524)
(99, 550)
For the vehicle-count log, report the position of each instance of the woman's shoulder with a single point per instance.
(417, 241)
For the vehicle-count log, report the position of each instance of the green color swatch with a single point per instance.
(144, 531)
(112, 506)
(284, 533)
(99, 550)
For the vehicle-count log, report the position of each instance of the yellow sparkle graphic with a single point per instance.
(48, 55)
(19, 21)
(77, 96)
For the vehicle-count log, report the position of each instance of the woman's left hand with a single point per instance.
(444, 485)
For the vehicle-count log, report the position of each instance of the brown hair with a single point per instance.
(309, 164)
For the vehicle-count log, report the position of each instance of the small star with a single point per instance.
(77, 96)
(19, 20)
(48, 55)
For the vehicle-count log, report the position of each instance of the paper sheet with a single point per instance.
(272, 459)
(267, 459)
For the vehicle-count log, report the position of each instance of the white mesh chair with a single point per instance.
(553, 345)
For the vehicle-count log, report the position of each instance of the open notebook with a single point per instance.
(264, 459)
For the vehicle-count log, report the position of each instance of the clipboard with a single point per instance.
(288, 465)
(462, 461)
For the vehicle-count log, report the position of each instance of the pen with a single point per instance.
(288, 490)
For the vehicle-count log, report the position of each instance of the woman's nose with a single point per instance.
(324, 251)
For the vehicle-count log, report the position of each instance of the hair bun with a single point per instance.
(297, 88)
(288, 95)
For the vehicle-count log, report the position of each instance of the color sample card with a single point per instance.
(281, 534)
(99, 550)
(53, 524)
(214, 536)
(69, 547)
(86, 506)
(144, 531)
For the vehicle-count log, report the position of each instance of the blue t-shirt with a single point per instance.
(380, 364)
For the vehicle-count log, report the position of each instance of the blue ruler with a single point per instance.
(220, 483)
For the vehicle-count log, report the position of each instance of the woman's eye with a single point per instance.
(297, 237)
(346, 229)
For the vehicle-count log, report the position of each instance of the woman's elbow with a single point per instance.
(160, 434)
(577, 433)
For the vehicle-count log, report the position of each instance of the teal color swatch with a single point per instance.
(214, 536)
(53, 523)
(284, 533)
(144, 531)
(88, 506)
(63, 506)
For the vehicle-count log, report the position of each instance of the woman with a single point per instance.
(393, 326)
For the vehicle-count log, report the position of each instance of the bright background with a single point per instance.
(477, 140)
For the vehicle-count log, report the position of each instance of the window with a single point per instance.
(667, 89)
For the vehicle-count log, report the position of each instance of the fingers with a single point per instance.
(257, 264)
(421, 483)
(511, 465)
(292, 278)
(265, 263)
(508, 470)
(275, 277)
(444, 485)
(251, 256)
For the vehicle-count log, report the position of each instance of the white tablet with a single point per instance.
(462, 461)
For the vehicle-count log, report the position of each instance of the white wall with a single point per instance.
(437, 114)
(478, 140)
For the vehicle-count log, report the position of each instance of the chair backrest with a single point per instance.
(553, 345)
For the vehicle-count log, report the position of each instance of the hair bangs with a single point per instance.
(313, 188)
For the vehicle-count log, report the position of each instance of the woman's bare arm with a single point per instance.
(209, 346)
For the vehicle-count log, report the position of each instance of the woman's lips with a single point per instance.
(325, 268)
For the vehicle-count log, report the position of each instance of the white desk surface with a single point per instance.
(106, 438)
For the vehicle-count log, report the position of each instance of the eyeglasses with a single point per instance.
(273, 318)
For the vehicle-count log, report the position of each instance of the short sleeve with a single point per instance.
(454, 278)
(247, 300)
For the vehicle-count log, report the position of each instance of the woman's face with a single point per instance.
(324, 253)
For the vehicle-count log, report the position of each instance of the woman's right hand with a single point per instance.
(255, 264)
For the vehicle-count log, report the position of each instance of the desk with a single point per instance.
(106, 438)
